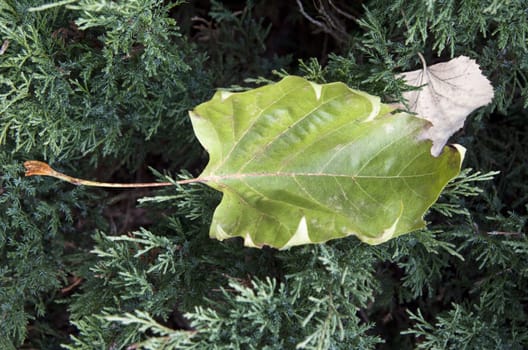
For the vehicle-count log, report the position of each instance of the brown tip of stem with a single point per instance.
(35, 167)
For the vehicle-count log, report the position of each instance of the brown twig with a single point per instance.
(330, 22)
(75, 283)
(504, 233)
(313, 20)
(4, 47)
(341, 12)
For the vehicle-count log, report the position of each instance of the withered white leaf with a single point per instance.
(452, 91)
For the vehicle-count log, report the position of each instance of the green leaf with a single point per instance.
(301, 163)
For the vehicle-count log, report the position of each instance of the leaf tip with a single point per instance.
(317, 89)
(387, 234)
(300, 236)
(461, 150)
(248, 241)
(376, 107)
(220, 234)
(224, 95)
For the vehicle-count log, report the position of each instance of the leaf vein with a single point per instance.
(256, 119)
(284, 132)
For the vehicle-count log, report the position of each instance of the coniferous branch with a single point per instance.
(104, 87)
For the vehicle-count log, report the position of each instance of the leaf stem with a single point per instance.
(36, 168)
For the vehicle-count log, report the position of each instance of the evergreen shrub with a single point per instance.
(100, 89)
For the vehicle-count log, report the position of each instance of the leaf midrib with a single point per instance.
(238, 176)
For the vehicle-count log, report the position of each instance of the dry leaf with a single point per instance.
(452, 91)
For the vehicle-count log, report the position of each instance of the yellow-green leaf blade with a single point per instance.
(304, 163)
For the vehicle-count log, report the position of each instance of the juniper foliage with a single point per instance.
(101, 89)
